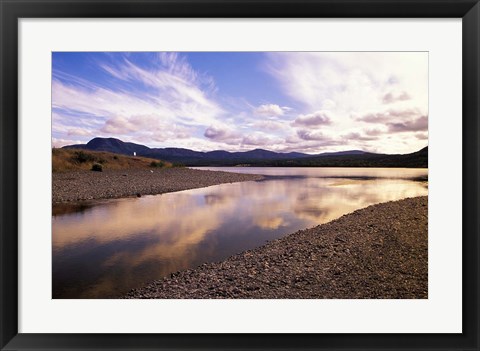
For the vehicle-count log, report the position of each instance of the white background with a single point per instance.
(441, 313)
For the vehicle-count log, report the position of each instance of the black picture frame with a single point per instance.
(11, 11)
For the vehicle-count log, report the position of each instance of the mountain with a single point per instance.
(111, 145)
(185, 156)
(218, 157)
(418, 159)
(258, 157)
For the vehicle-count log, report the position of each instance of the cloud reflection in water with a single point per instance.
(106, 249)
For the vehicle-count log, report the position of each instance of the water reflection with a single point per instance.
(112, 246)
(327, 172)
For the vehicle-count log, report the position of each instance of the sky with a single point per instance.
(308, 102)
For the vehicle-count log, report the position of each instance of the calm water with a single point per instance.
(105, 248)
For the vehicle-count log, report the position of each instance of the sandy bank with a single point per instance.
(376, 252)
(88, 185)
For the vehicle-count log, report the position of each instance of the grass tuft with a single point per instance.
(157, 164)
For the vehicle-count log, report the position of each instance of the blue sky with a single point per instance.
(280, 101)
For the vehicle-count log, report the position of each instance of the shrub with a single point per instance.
(82, 157)
(157, 164)
(97, 167)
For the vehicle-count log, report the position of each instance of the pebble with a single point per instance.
(87, 185)
(395, 268)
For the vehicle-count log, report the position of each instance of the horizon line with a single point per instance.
(278, 152)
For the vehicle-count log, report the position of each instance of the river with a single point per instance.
(102, 249)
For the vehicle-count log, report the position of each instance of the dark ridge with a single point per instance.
(259, 157)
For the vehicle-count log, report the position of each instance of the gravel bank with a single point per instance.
(88, 185)
(376, 252)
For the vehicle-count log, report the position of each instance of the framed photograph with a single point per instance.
(239, 175)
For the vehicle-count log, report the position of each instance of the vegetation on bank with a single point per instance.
(64, 160)
(417, 159)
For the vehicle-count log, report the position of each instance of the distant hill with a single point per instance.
(418, 159)
(258, 157)
(185, 156)
(111, 145)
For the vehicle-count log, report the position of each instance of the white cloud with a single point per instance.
(270, 125)
(271, 110)
(356, 87)
(335, 96)
(392, 97)
(359, 137)
(390, 116)
(328, 104)
(176, 95)
(374, 132)
(353, 81)
(79, 132)
(317, 118)
(59, 142)
(145, 127)
(260, 139)
(312, 146)
(220, 133)
(421, 136)
(310, 135)
(416, 125)
(118, 125)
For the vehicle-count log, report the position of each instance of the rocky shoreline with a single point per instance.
(379, 252)
(88, 185)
